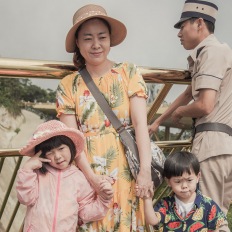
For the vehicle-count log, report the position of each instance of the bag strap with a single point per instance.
(127, 139)
(101, 100)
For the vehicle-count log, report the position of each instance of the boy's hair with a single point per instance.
(52, 143)
(178, 163)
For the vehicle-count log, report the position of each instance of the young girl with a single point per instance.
(187, 209)
(56, 192)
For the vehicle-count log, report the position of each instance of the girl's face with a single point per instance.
(60, 157)
(94, 41)
(184, 186)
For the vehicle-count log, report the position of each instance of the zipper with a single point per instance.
(56, 202)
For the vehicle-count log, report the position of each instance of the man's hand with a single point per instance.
(153, 127)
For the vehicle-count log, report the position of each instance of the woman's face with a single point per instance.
(93, 41)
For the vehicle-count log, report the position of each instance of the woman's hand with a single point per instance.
(150, 192)
(144, 184)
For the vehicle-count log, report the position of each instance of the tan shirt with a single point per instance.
(211, 69)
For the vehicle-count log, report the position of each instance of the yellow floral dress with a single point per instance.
(103, 148)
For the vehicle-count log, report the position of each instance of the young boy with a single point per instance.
(187, 209)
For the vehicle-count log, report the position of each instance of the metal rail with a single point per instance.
(18, 68)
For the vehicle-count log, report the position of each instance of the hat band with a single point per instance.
(203, 3)
(89, 14)
(204, 9)
(190, 14)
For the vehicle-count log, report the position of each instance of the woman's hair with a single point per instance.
(52, 143)
(78, 59)
(210, 26)
(178, 163)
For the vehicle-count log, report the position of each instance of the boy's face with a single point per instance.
(60, 157)
(184, 186)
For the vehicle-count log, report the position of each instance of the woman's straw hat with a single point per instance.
(50, 129)
(118, 29)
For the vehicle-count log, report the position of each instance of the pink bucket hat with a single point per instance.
(50, 129)
(118, 29)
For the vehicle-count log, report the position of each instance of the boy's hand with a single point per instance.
(35, 162)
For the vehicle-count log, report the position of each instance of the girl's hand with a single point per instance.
(106, 190)
(96, 183)
(35, 162)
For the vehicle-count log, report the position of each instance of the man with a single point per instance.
(210, 64)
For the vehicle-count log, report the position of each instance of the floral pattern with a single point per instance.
(104, 150)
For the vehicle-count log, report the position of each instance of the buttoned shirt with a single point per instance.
(210, 65)
(205, 214)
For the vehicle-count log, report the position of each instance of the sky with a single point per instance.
(33, 29)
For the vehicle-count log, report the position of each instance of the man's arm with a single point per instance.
(203, 106)
(182, 100)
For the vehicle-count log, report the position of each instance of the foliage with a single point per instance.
(17, 130)
(229, 217)
(172, 136)
(14, 91)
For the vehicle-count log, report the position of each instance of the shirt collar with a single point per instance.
(197, 200)
(211, 39)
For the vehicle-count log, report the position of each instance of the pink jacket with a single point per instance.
(55, 200)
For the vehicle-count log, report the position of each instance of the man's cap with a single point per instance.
(198, 9)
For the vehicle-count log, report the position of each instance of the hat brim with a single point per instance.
(118, 32)
(178, 24)
(76, 136)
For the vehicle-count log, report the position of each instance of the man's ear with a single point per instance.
(200, 22)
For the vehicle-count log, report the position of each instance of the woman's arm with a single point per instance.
(82, 162)
(139, 121)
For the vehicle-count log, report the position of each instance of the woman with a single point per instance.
(90, 39)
